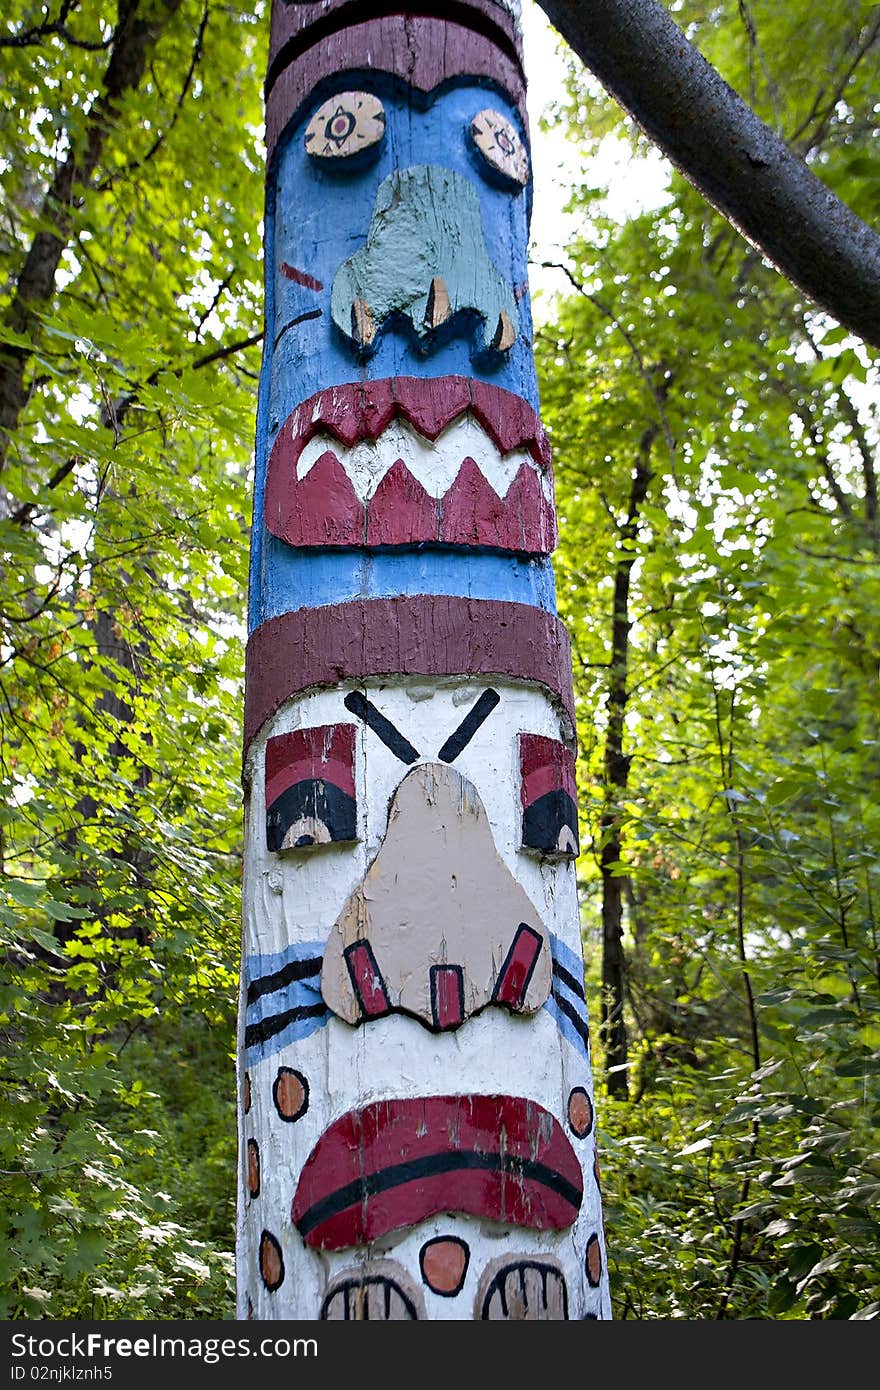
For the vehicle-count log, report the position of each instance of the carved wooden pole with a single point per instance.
(416, 1116)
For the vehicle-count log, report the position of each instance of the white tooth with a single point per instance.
(434, 464)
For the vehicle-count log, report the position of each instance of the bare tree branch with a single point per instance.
(717, 142)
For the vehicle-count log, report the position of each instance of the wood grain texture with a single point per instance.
(424, 635)
(423, 52)
(522, 1289)
(380, 1291)
(293, 21)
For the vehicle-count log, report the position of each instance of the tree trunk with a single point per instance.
(616, 778)
(135, 37)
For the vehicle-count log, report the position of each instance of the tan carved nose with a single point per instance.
(439, 927)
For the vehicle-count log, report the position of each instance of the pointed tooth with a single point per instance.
(505, 333)
(438, 309)
(363, 328)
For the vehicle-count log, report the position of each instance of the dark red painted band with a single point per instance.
(397, 1162)
(420, 635)
(423, 52)
(305, 23)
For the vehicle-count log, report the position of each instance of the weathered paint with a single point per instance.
(417, 1136)
(497, 140)
(421, 54)
(549, 796)
(425, 225)
(380, 1291)
(291, 904)
(346, 126)
(395, 1163)
(315, 578)
(447, 461)
(437, 861)
(522, 1290)
(418, 636)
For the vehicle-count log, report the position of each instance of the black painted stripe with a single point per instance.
(382, 727)
(569, 980)
(300, 318)
(468, 726)
(268, 1027)
(368, 1184)
(571, 1013)
(287, 975)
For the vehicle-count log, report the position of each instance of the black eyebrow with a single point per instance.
(300, 318)
(468, 726)
(382, 727)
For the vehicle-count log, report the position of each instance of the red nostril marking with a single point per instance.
(515, 973)
(367, 979)
(447, 995)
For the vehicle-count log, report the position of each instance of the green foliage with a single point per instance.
(741, 1170)
(741, 1173)
(124, 539)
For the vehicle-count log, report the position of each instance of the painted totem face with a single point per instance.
(414, 846)
(417, 1124)
(400, 401)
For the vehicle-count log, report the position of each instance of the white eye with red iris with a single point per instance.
(500, 145)
(345, 125)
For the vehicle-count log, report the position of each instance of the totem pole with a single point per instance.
(416, 1115)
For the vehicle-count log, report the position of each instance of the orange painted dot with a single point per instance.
(290, 1093)
(444, 1263)
(253, 1160)
(247, 1094)
(271, 1262)
(580, 1112)
(594, 1261)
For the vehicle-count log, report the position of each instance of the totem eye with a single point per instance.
(501, 147)
(345, 125)
(310, 787)
(549, 797)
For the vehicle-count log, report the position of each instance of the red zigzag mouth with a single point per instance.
(323, 508)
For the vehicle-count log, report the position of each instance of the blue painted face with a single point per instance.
(352, 184)
(331, 246)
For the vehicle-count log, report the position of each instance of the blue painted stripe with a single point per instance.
(297, 1009)
(255, 967)
(569, 960)
(283, 1012)
(298, 578)
(566, 1004)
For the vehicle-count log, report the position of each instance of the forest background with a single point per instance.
(715, 446)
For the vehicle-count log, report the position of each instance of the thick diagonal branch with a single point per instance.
(717, 142)
(134, 39)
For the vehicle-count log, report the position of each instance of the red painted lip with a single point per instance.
(323, 508)
(397, 1162)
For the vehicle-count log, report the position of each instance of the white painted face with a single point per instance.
(416, 1127)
